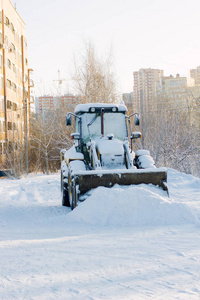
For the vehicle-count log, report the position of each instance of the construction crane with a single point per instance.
(60, 81)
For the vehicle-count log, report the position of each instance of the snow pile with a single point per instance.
(144, 159)
(184, 186)
(50, 252)
(142, 205)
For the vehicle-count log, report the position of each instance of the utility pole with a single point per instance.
(26, 124)
(30, 85)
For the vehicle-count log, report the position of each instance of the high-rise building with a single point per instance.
(175, 90)
(45, 103)
(144, 89)
(14, 79)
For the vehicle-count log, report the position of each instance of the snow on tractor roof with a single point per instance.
(88, 107)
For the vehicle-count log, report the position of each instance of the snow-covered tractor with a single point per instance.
(102, 154)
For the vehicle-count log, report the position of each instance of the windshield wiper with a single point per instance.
(91, 122)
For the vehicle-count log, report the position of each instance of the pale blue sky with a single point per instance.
(143, 33)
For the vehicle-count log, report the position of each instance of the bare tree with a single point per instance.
(94, 79)
(48, 136)
(171, 133)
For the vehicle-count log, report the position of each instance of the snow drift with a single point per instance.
(142, 205)
(37, 201)
(112, 246)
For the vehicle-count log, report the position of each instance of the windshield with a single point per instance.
(113, 123)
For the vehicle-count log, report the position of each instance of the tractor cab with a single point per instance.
(97, 122)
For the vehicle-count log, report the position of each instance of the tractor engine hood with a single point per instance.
(109, 146)
(111, 153)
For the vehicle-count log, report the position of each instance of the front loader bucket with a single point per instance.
(92, 179)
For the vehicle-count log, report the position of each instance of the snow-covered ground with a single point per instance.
(121, 243)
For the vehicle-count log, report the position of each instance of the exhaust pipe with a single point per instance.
(102, 121)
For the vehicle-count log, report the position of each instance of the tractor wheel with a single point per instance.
(61, 181)
(64, 191)
(73, 197)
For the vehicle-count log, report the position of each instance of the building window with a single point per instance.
(14, 87)
(7, 21)
(9, 125)
(9, 63)
(9, 83)
(9, 104)
(14, 68)
(2, 149)
(14, 126)
(12, 28)
(14, 107)
(12, 47)
(10, 147)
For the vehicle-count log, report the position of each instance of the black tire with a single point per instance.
(72, 194)
(137, 163)
(65, 195)
(64, 191)
(61, 181)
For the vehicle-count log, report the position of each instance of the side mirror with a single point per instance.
(137, 120)
(75, 136)
(136, 135)
(68, 120)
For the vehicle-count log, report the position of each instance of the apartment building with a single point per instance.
(176, 91)
(195, 73)
(14, 79)
(68, 101)
(45, 104)
(144, 89)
